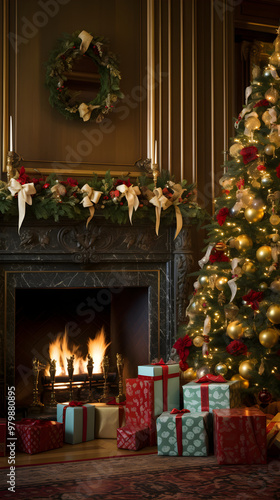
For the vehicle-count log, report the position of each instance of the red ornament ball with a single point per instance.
(264, 396)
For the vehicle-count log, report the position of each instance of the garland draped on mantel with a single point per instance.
(118, 199)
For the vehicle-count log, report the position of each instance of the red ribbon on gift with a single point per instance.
(71, 405)
(37, 422)
(113, 401)
(43, 425)
(270, 426)
(164, 377)
(179, 433)
(204, 388)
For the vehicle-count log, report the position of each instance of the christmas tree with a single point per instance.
(234, 314)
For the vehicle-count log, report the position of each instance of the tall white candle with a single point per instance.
(155, 152)
(11, 134)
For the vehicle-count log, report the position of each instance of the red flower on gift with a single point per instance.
(240, 184)
(253, 298)
(23, 177)
(222, 215)
(261, 167)
(249, 154)
(278, 171)
(119, 182)
(236, 348)
(263, 102)
(182, 345)
(217, 256)
(72, 182)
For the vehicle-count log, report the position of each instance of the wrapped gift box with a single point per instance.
(273, 435)
(35, 436)
(166, 379)
(240, 436)
(133, 438)
(108, 418)
(3, 434)
(182, 434)
(211, 395)
(78, 421)
(139, 411)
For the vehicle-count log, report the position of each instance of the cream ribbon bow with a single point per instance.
(160, 202)
(177, 193)
(88, 201)
(131, 193)
(86, 39)
(85, 110)
(24, 192)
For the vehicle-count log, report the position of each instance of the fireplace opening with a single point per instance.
(43, 314)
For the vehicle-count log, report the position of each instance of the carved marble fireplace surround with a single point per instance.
(50, 255)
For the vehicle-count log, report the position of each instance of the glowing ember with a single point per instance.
(60, 351)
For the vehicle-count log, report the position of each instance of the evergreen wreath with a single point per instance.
(68, 50)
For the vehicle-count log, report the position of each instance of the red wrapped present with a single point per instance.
(34, 436)
(240, 436)
(140, 406)
(3, 434)
(133, 438)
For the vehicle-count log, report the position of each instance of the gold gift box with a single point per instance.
(108, 418)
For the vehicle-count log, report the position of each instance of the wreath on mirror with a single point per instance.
(68, 50)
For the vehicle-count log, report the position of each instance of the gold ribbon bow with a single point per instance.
(177, 193)
(160, 202)
(85, 110)
(24, 192)
(88, 201)
(131, 193)
(86, 39)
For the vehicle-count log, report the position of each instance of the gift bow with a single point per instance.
(160, 202)
(88, 201)
(160, 362)
(131, 193)
(85, 110)
(179, 412)
(76, 403)
(209, 378)
(24, 192)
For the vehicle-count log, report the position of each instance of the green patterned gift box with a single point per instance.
(209, 395)
(182, 434)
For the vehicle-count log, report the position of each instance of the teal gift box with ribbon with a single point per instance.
(181, 433)
(210, 393)
(78, 421)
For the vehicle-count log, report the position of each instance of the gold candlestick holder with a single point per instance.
(70, 369)
(155, 172)
(52, 374)
(90, 370)
(36, 368)
(120, 364)
(9, 165)
(105, 369)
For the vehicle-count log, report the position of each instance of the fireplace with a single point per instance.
(56, 276)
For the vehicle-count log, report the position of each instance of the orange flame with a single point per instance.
(60, 350)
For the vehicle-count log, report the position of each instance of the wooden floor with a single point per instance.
(98, 448)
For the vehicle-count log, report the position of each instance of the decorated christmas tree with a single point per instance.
(233, 323)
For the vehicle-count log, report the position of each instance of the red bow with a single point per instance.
(76, 403)
(113, 401)
(161, 362)
(175, 411)
(211, 378)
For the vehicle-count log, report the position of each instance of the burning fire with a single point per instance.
(60, 351)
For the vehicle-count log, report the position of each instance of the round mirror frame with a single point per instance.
(68, 49)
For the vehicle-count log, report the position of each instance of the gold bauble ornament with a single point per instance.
(272, 95)
(231, 311)
(243, 383)
(269, 149)
(274, 219)
(274, 137)
(203, 280)
(263, 254)
(266, 118)
(188, 375)
(221, 283)
(253, 214)
(263, 286)
(221, 369)
(269, 337)
(235, 330)
(252, 123)
(246, 369)
(275, 286)
(249, 267)
(195, 307)
(266, 180)
(220, 246)
(273, 313)
(243, 243)
(198, 341)
(234, 149)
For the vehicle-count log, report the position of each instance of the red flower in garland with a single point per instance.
(182, 345)
(278, 171)
(222, 215)
(263, 102)
(218, 256)
(23, 177)
(253, 298)
(72, 182)
(236, 347)
(119, 182)
(249, 154)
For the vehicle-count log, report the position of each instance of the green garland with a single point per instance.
(56, 198)
(61, 61)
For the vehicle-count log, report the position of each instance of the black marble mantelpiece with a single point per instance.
(48, 254)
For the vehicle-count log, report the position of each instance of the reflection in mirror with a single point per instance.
(84, 80)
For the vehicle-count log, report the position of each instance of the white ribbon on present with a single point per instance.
(89, 199)
(160, 202)
(86, 40)
(131, 193)
(205, 259)
(24, 192)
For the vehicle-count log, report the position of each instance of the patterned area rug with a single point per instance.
(145, 477)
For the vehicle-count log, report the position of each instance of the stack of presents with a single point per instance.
(211, 416)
